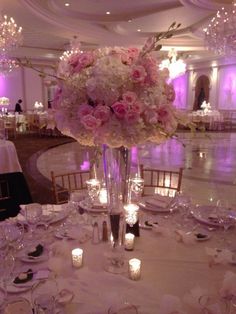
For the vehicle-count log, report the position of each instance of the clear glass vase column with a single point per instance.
(116, 163)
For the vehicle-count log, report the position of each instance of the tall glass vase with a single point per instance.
(116, 163)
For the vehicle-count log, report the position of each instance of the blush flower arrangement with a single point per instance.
(116, 96)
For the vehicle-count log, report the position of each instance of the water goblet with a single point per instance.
(7, 263)
(43, 296)
(14, 235)
(123, 308)
(33, 213)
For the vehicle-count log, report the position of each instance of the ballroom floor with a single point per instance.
(208, 160)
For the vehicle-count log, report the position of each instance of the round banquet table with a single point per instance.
(168, 267)
(8, 157)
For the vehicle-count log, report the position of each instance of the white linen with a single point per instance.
(8, 157)
(169, 268)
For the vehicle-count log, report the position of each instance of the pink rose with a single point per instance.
(132, 116)
(167, 118)
(129, 97)
(90, 122)
(84, 110)
(138, 74)
(120, 109)
(102, 113)
(81, 61)
(136, 107)
(170, 92)
(151, 116)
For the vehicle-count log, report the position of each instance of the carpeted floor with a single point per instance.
(29, 147)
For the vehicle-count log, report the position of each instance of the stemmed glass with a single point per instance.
(44, 296)
(226, 220)
(33, 213)
(14, 235)
(7, 263)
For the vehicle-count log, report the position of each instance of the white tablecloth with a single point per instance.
(168, 267)
(8, 157)
(210, 117)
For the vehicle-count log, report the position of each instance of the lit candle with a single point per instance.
(134, 269)
(103, 196)
(77, 257)
(129, 241)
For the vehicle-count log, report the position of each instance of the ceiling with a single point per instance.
(49, 25)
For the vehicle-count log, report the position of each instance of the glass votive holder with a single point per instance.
(131, 214)
(129, 241)
(103, 196)
(77, 257)
(134, 269)
(93, 186)
(137, 185)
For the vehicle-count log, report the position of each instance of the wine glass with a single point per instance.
(123, 308)
(7, 263)
(43, 296)
(33, 213)
(14, 235)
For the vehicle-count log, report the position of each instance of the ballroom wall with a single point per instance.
(25, 83)
(222, 77)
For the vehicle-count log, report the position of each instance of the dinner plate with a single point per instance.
(93, 209)
(12, 288)
(157, 204)
(208, 215)
(67, 235)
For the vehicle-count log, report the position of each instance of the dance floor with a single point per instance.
(208, 160)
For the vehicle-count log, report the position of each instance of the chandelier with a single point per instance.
(10, 34)
(7, 65)
(175, 66)
(220, 35)
(74, 48)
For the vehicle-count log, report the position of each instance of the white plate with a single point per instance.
(87, 207)
(204, 215)
(13, 288)
(147, 206)
(65, 235)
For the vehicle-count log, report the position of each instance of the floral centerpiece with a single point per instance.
(117, 96)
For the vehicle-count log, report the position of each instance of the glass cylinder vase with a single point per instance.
(116, 164)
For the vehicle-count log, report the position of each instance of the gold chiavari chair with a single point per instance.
(63, 184)
(164, 182)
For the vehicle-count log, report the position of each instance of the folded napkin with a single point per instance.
(158, 201)
(219, 256)
(228, 289)
(185, 237)
(170, 305)
(200, 300)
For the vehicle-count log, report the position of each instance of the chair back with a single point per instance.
(63, 184)
(14, 191)
(158, 181)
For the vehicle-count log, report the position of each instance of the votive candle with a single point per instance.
(129, 241)
(134, 269)
(77, 257)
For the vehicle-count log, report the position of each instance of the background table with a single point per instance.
(8, 157)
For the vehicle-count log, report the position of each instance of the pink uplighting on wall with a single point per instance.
(227, 92)
(180, 85)
(2, 86)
